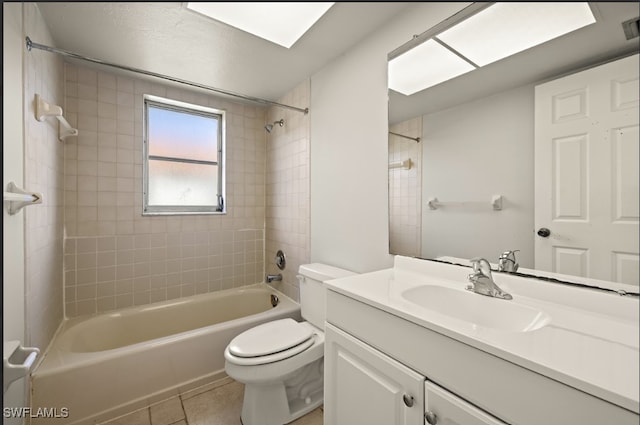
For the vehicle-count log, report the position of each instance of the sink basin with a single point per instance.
(480, 310)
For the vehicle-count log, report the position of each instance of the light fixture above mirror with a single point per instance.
(494, 32)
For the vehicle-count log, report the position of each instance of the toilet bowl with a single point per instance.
(281, 362)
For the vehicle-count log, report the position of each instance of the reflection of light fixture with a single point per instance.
(508, 28)
(491, 34)
(424, 66)
(282, 23)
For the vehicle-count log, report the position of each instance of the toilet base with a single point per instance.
(281, 402)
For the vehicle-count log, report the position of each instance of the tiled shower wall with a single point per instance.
(113, 256)
(287, 213)
(405, 189)
(43, 74)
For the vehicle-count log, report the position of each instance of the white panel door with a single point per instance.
(364, 386)
(586, 173)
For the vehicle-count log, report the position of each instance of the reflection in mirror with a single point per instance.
(524, 128)
(405, 187)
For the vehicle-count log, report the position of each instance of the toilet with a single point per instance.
(281, 362)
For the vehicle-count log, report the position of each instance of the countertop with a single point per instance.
(591, 342)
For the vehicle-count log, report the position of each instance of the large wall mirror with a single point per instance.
(477, 165)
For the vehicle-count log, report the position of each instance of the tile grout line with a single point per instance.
(186, 421)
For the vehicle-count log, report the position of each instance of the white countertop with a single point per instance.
(591, 342)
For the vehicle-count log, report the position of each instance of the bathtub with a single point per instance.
(103, 366)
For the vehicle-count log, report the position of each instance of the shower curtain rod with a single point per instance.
(417, 139)
(33, 45)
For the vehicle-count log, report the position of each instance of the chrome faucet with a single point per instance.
(274, 277)
(507, 261)
(482, 280)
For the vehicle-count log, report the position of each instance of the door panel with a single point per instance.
(625, 155)
(570, 170)
(586, 173)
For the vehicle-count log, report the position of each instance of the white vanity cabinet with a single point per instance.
(364, 386)
(375, 355)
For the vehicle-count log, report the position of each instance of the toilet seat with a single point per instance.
(269, 342)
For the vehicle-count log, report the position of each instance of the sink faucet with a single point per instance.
(507, 261)
(274, 277)
(482, 281)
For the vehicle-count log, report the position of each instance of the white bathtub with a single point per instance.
(109, 364)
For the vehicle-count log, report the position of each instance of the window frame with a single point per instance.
(184, 107)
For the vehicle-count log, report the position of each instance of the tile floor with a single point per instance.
(218, 403)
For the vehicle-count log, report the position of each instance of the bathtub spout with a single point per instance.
(274, 277)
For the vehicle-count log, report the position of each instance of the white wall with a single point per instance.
(13, 170)
(349, 142)
(490, 154)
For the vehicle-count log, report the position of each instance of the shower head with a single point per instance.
(269, 127)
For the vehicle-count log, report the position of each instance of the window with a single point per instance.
(183, 158)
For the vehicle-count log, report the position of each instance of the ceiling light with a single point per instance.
(424, 66)
(504, 29)
(282, 23)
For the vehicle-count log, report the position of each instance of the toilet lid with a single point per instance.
(269, 338)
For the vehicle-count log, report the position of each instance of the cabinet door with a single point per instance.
(364, 386)
(444, 408)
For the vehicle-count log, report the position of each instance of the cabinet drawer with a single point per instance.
(444, 408)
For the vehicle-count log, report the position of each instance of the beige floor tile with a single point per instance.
(167, 412)
(139, 417)
(312, 418)
(219, 406)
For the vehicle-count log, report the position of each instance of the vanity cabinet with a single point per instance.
(364, 386)
(373, 359)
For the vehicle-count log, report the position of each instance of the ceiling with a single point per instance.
(585, 47)
(168, 38)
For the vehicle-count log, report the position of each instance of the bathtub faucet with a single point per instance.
(274, 277)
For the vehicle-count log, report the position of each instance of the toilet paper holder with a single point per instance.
(17, 361)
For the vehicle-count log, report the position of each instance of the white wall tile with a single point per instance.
(44, 172)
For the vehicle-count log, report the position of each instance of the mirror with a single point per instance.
(461, 154)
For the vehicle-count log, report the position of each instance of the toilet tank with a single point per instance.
(313, 292)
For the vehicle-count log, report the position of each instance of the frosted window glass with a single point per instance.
(177, 134)
(182, 184)
(183, 149)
